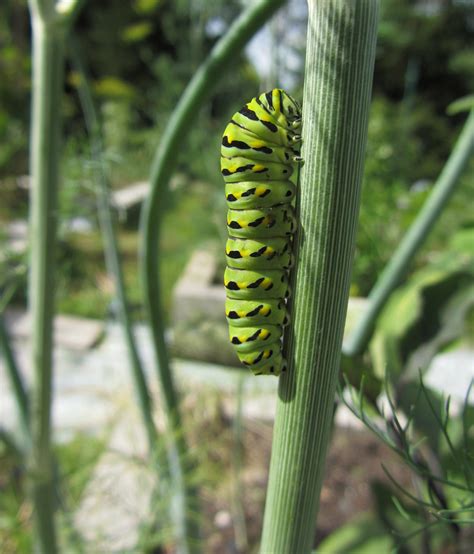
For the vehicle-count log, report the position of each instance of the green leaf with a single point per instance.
(416, 404)
(427, 313)
(452, 317)
(113, 87)
(137, 32)
(464, 104)
(463, 241)
(144, 7)
(362, 535)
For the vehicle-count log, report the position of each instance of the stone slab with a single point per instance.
(126, 198)
(71, 332)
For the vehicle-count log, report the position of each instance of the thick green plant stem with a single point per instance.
(163, 165)
(50, 22)
(338, 78)
(14, 375)
(48, 59)
(414, 238)
(107, 221)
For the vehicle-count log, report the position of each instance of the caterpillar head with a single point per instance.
(283, 107)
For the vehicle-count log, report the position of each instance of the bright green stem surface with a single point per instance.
(107, 221)
(200, 87)
(48, 62)
(338, 79)
(414, 238)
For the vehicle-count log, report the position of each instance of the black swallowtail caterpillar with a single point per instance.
(260, 148)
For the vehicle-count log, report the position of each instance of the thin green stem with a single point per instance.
(18, 387)
(108, 224)
(338, 78)
(404, 451)
(240, 528)
(414, 238)
(163, 165)
(48, 60)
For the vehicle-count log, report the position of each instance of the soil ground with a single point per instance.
(354, 462)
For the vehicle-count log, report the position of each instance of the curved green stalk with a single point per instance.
(107, 223)
(49, 31)
(163, 165)
(338, 78)
(414, 238)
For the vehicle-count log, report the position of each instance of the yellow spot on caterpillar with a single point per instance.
(256, 143)
(266, 283)
(260, 191)
(230, 134)
(232, 218)
(258, 167)
(264, 333)
(265, 310)
(232, 168)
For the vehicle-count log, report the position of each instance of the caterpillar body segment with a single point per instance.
(248, 313)
(256, 149)
(276, 221)
(241, 168)
(249, 339)
(259, 152)
(245, 284)
(248, 194)
(274, 117)
(266, 360)
(269, 253)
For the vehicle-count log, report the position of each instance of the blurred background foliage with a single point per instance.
(140, 56)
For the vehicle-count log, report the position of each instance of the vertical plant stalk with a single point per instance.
(238, 512)
(338, 78)
(413, 239)
(107, 222)
(164, 162)
(17, 384)
(48, 59)
(49, 23)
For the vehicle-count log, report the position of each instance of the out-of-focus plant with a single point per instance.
(164, 161)
(108, 224)
(427, 314)
(14, 87)
(430, 313)
(50, 23)
(431, 39)
(400, 261)
(396, 185)
(437, 446)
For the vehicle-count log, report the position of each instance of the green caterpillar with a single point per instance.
(260, 148)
